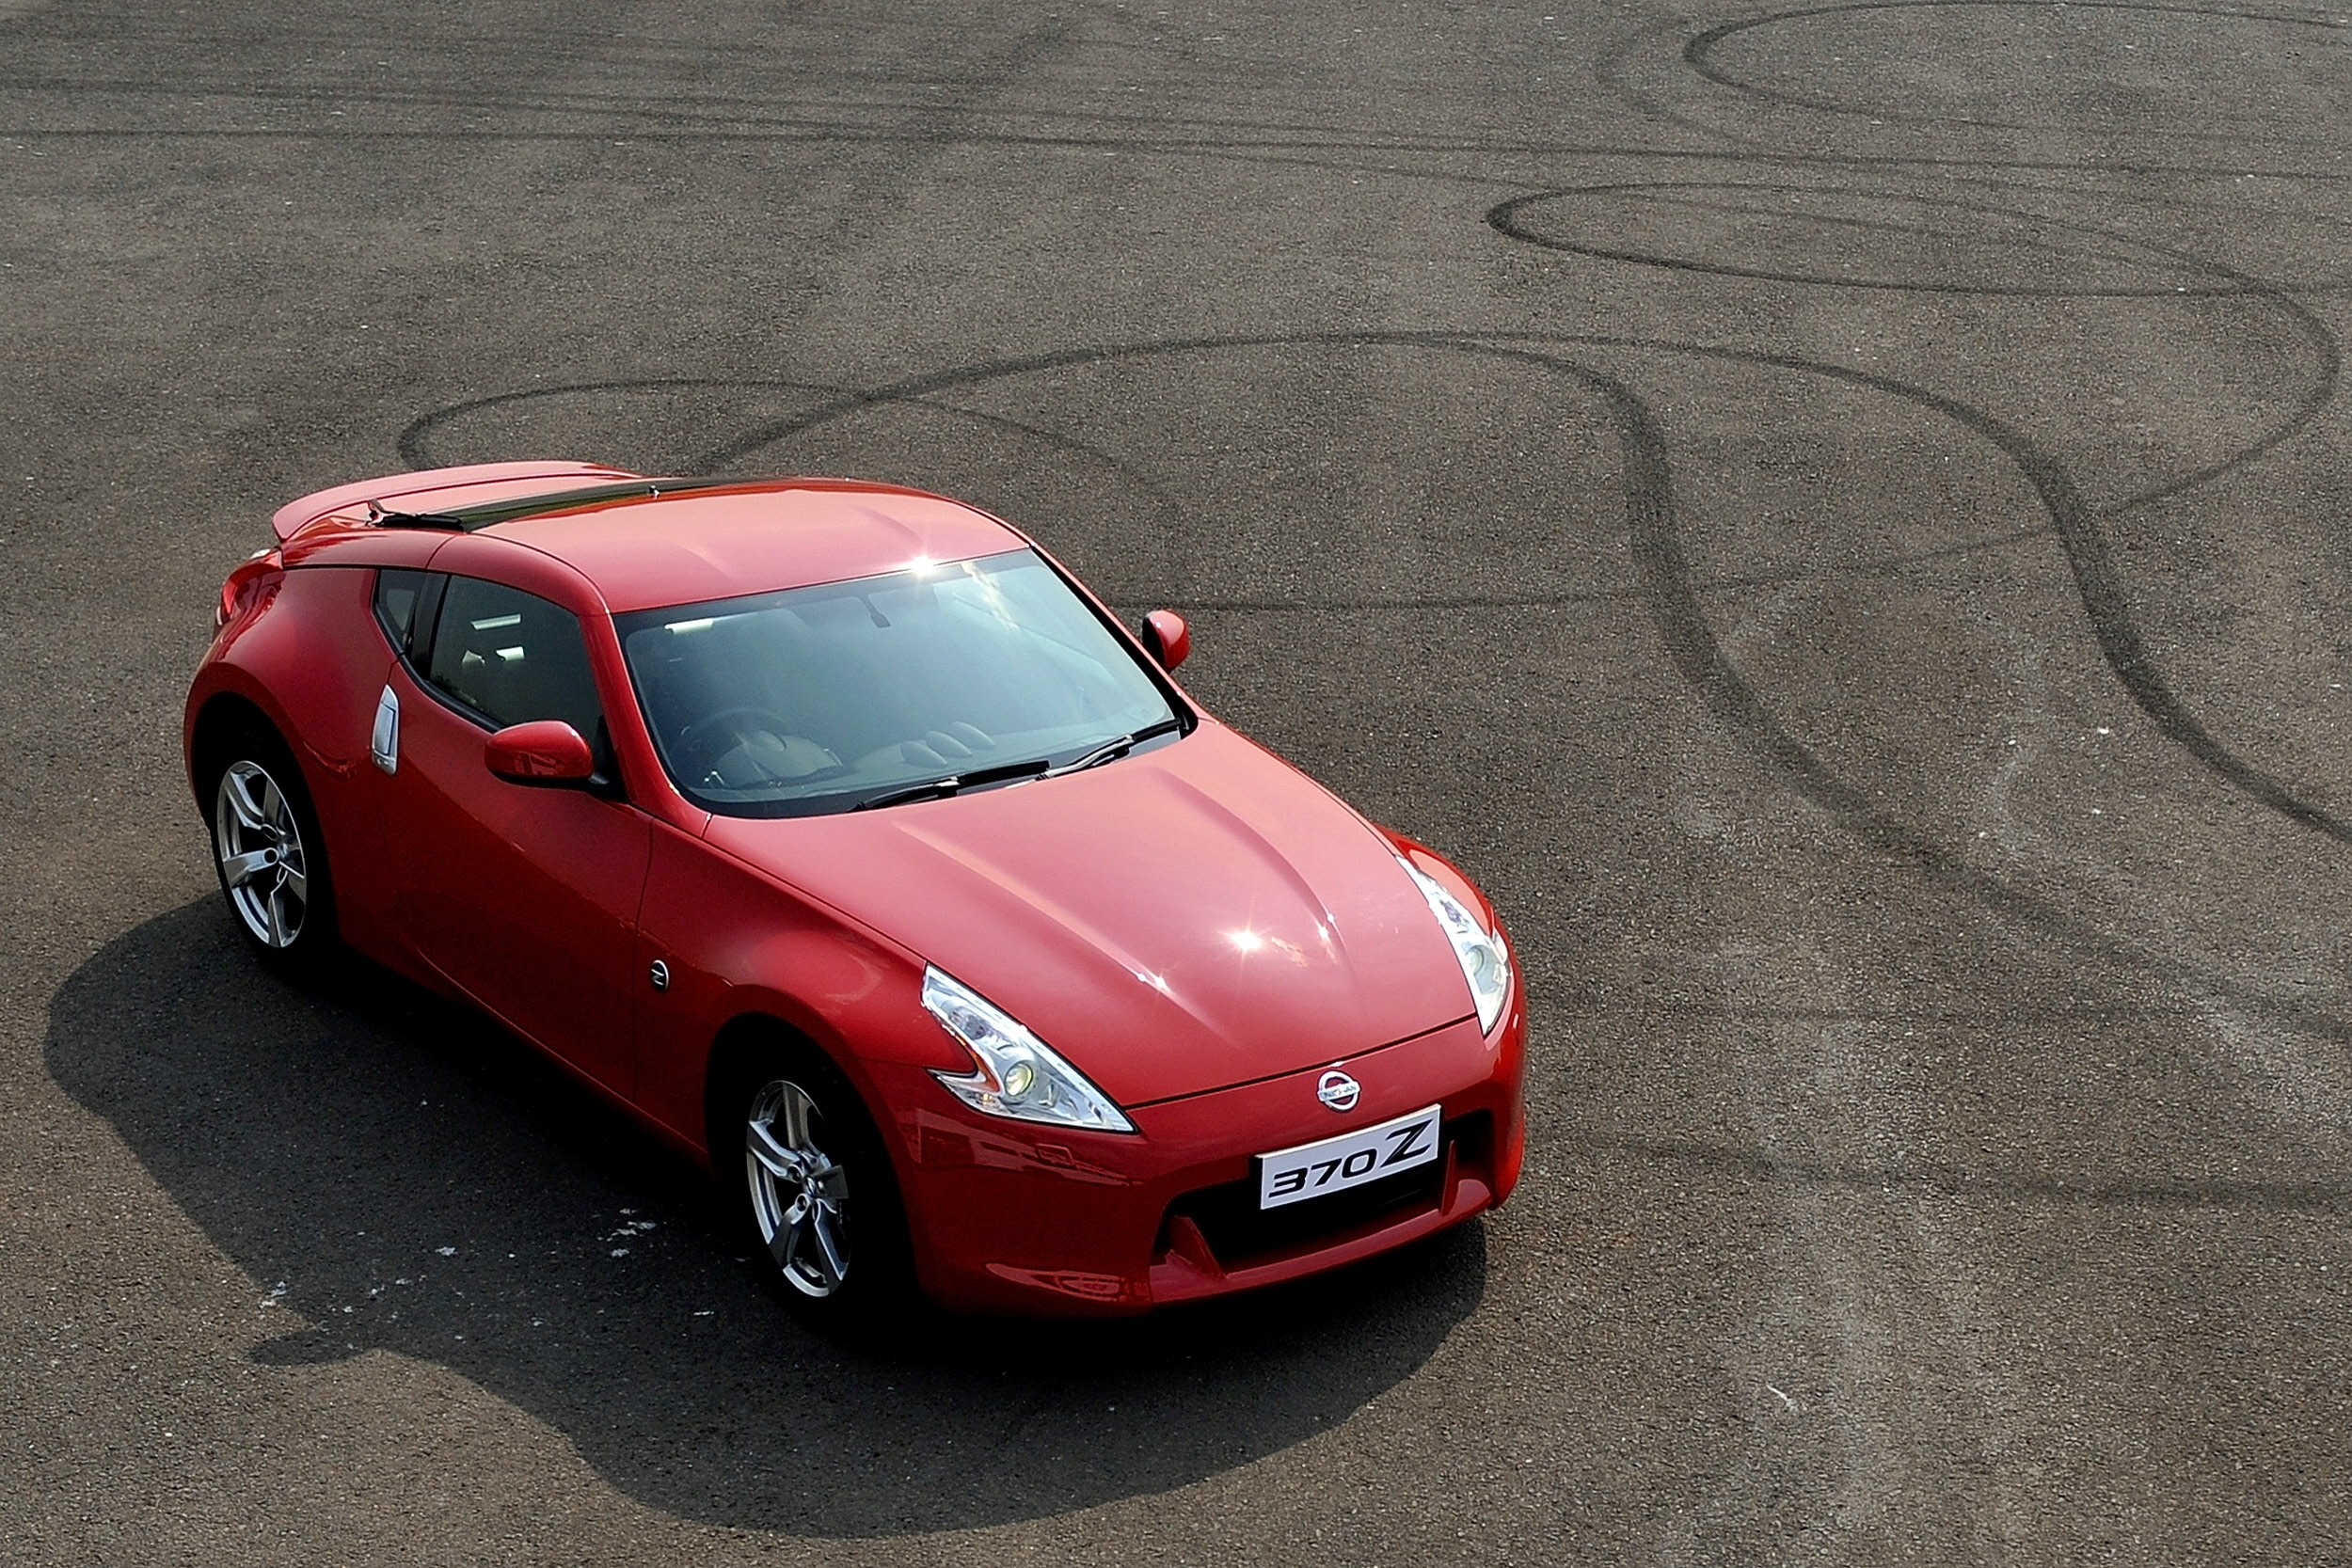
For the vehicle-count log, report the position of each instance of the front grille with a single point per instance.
(1238, 1231)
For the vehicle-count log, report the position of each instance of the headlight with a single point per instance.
(1484, 964)
(1020, 1076)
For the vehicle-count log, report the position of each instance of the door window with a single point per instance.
(511, 656)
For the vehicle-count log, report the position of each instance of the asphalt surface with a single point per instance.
(1836, 517)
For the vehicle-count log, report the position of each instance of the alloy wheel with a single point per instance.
(799, 1194)
(259, 844)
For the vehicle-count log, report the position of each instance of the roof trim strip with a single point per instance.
(468, 519)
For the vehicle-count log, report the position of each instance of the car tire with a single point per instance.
(268, 851)
(815, 1190)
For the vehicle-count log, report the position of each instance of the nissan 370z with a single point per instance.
(838, 833)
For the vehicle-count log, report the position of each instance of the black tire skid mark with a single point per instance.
(1260, 154)
(758, 121)
(2101, 591)
(411, 442)
(535, 56)
(761, 123)
(1881, 566)
(414, 451)
(2020, 179)
(1710, 672)
(2327, 354)
(1613, 67)
(2075, 523)
(1610, 69)
(2088, 547)
(1506, 218)
(1268, 154)
(1698, 55)
(2098, 584)
(1670, 589)
(930, 383)
(707, 108)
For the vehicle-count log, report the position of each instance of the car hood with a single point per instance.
(1196, 916)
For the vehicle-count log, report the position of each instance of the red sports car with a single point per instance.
(836, 827)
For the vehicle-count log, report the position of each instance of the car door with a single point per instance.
(524, 897)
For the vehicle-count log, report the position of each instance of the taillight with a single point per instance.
(238, 591)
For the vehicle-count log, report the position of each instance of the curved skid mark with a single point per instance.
(1104, 455)
(412, 448)
(1703, 666)
(1699, 53)
(2101, 590)
(1613, 67)
(2315, 400)
(1505, 218)
(1655, 540)
(2322, 340)
(1885, 566)
(412, 440)
(1659, 553)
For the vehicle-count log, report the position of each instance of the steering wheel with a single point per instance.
(708, 741)
(728, 723)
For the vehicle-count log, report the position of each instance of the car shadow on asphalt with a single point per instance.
(398, 1174)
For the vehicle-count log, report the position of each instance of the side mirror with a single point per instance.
(1167, 638)
(543, 752)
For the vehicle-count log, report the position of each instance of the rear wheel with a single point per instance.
(822, 1201)
(269, 854)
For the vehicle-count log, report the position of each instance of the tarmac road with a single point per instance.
(1836, 517)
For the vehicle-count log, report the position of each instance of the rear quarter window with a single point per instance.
(398, 592)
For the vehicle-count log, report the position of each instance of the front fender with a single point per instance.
(738, 944)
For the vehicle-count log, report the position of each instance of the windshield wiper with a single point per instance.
(954, 783)
(1037, 768)
(1120, 748)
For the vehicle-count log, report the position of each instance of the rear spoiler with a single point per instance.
(447, 486)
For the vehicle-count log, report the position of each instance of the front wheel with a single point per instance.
(269, 855)
(822, 1198)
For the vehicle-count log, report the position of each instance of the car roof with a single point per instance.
(647, 543)
(645, 553)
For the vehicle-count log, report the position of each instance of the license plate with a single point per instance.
(1350, 1160)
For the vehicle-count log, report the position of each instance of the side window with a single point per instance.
(397, 595)
(511, 656)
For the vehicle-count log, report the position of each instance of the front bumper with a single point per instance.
(1012, 1217)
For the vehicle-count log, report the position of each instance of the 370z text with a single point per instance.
(1333, 1165)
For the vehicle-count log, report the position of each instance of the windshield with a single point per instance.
(823, 699)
